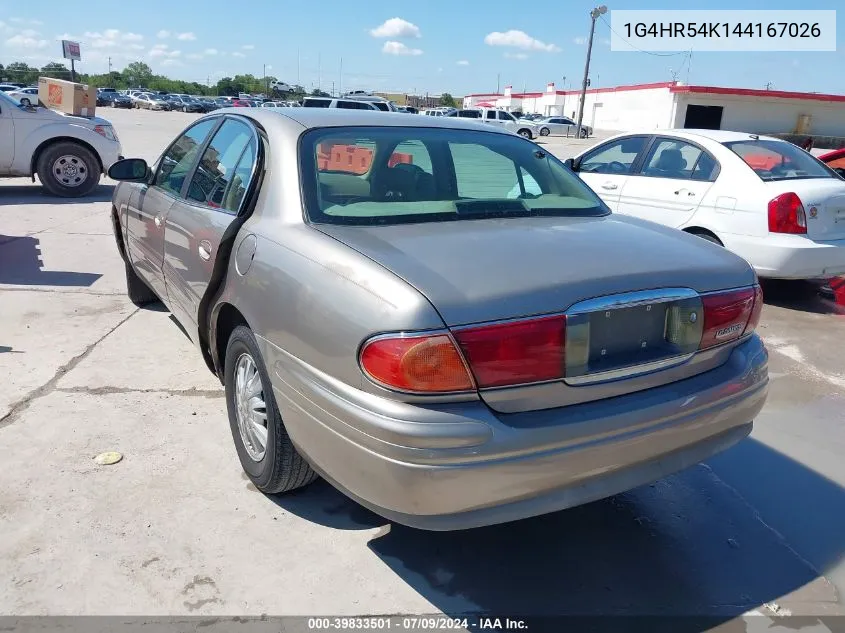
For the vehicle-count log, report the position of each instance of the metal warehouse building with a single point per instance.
(677, 105)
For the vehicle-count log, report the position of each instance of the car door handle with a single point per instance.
(691, 194)
(609, 185)
(159, 220)
(204, 250)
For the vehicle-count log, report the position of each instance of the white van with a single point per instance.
(328, 102)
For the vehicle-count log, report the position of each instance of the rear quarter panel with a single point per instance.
(310, 297)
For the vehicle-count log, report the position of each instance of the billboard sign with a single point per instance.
(71, 50)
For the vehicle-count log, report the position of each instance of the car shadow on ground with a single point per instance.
(11, 195)
(21, 265)
(805, 296)
(686, 545)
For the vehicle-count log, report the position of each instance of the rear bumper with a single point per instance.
(460, 465)
(789, 256)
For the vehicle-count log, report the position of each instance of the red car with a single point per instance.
(240, 103)
(835, 160)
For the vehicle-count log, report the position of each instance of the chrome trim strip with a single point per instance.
(631, 299)
(628, 372)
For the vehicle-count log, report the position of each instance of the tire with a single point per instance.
(68, 169)
(526, 133)
(544, 131)
(280, 468)
(583, 134)
(137, 289)
(185, 109)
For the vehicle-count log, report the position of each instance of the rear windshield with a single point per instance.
(396, 175)
(779, 160)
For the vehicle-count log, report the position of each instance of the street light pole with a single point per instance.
(594, 14)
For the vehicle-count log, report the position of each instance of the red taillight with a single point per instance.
(756, 312)
(517, 352)
(426, 364)
(727, 315)
(786, 215)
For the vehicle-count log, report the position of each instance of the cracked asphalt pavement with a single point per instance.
(175, 528)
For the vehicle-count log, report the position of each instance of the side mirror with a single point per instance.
(130, 170)
(570, 163)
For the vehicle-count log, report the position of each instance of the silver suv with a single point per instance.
(346, 102)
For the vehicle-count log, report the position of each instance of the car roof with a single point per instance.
(690, 134)
(310, 118)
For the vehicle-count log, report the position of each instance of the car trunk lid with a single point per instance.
(621, 282)
(824, 204)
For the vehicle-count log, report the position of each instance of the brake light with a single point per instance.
(515, 352)
(426, 364)
(729, 315)
(786, 214)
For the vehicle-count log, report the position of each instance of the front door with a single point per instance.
(150, 205)
(668, 188)
(197, 225)
(607, 167)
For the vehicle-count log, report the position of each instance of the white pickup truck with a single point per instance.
(500, 118)
(68, 153)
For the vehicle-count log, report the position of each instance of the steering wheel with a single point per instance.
(617, 167)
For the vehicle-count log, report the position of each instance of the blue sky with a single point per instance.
(433, 45)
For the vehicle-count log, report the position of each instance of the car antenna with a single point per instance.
(756, 137)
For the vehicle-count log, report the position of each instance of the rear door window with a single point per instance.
(674, 158)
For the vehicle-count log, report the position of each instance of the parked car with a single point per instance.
(240, 103)
(763, 198)
(68, 153)
(385, 105)
(835, 160)
(561, 126)
(346, 104)
(451, 385)
(501, 118)
(469, 113)
(9, 88)
(26, 96)
(185, 103)
(151, 101)
(207, 103)
(114, 100)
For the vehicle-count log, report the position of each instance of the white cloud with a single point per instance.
(520, 56)
(269, 67)
(163, 35)
(580, 41)
(163, 50)
(171, 62)
(248, 47)
(398, 48)
(462, 62)
(238, 54)
(211, 51)
(186, 37)
(132, 37)
(519, 39)
(25, 21)
(194, 56)
(396, 28)
(27, 39)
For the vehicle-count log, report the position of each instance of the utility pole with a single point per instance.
(498, 78)
(340, 79)
(594, 15)
(110, 65)
(297, 68)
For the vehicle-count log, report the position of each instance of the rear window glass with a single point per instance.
(316, 103)
(779, 160)
(393, 175)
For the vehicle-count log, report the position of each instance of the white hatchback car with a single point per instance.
(765, 199)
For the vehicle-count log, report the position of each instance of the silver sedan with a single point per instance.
(561, 126)
(435, 315)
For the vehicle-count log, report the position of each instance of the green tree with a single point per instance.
(21, 72)
(447, 100)
(138, 74)
(55, 70)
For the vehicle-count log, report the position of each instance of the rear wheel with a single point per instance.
(708, 236)
(526, 133)
(544, 131)
(68, 169)
(583, 134)
(137, 289)
(264, 447)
